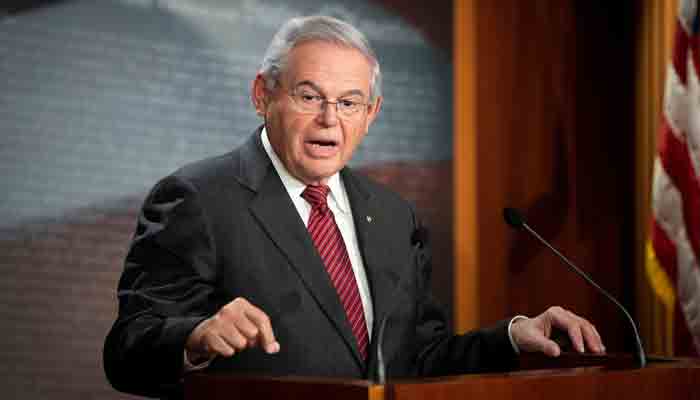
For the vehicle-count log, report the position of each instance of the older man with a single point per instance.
(276, 258)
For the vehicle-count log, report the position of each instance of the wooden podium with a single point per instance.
(608, 377)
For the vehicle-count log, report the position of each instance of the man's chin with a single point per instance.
(319, 175)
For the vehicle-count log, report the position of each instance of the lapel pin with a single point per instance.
(369, 219)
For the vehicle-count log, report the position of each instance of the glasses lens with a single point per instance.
(309, 101)
(315, 103)
(347, 107)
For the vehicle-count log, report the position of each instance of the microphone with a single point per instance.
(381, 366)
(419, 240)
(516, 220)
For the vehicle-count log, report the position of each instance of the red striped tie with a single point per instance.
(331, 247)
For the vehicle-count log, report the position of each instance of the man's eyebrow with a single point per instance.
(309, 83)
(353, 92)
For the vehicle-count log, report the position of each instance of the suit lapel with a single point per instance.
(276, 213)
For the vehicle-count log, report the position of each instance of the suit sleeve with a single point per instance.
(442, 353)
(164, 292)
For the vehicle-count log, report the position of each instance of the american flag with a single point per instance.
(673, 251)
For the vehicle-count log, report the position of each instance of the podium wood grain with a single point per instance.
(612, 379)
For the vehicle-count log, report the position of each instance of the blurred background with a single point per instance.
(550, 106)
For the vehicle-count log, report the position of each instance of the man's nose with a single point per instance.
(328, 116)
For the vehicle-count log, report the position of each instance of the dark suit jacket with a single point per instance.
(225, 227)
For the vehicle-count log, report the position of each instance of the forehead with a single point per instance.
(331, 67)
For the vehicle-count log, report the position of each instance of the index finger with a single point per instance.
(571, 323)
(262, 322)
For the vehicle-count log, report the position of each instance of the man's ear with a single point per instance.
(373, 111)
(259, 95)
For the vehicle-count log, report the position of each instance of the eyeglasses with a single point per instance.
(310, 102)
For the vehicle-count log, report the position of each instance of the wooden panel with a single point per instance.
(466, 238)
(674, 379)
(211, 386)
(544, 96)
(665, 380)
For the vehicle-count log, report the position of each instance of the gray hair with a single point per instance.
(318, 27)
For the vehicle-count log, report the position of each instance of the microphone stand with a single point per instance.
(514, 219)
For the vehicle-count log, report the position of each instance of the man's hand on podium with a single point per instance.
(535, 334)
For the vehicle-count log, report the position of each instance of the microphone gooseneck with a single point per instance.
(516, 220)
(381, 366)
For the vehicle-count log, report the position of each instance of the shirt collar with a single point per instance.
(295, 187)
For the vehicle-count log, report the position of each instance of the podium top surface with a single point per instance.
(669, 378)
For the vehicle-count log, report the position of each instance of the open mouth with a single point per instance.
(323, 143)
(322, 148)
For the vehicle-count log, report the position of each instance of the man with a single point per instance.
(276, 258)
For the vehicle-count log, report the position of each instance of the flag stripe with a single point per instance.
(676, 162)
(664, 250)
(680, 51)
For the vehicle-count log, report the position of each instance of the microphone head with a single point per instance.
(420, 237)
(513, 217)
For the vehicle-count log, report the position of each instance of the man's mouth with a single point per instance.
(322, 148)
(323, 143)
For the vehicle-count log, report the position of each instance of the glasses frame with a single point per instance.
(304, 108)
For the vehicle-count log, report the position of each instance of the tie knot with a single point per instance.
(316, 195)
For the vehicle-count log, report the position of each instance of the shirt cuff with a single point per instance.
(510, 336)
(189, 367)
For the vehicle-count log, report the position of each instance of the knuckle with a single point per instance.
(231, 311)
(215, 321)
(240, 342)
(251, 331)
(557, 309)
(239, 302)
(225, 312)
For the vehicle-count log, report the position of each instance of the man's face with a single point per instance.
(315, 145)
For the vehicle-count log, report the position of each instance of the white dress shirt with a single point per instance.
(340, 206)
